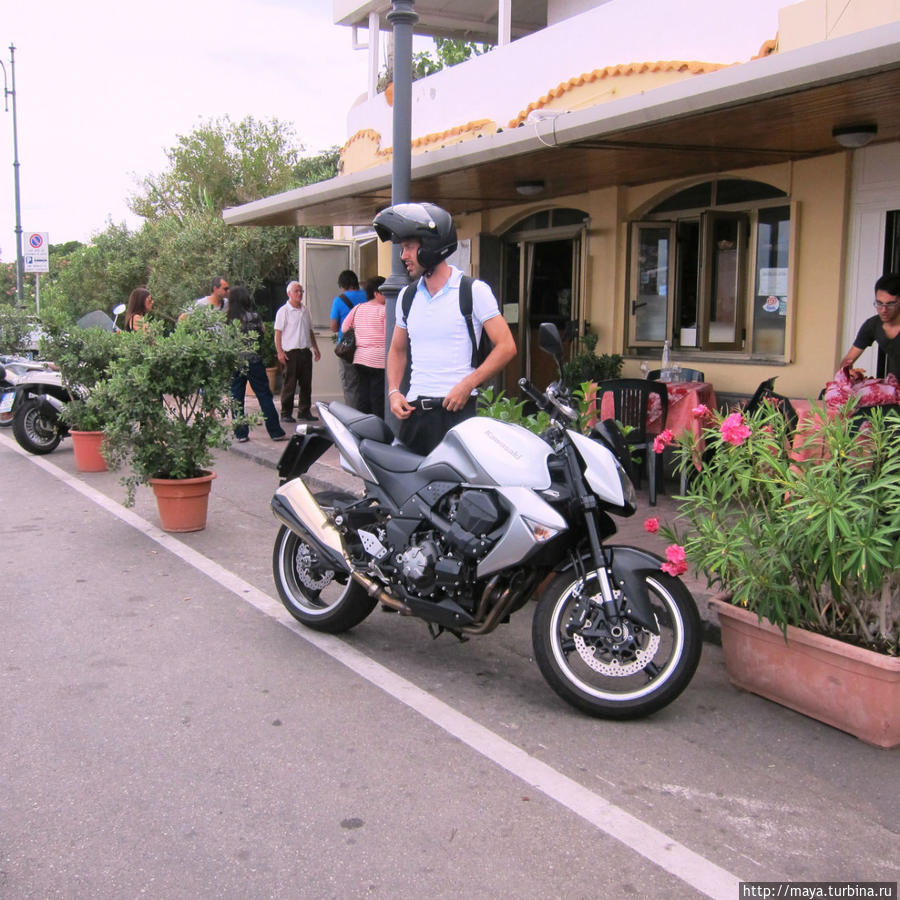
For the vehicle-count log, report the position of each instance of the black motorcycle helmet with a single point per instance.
(432, 225)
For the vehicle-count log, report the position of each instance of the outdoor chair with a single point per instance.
(679, 375)
(631, 403)
(766, 393)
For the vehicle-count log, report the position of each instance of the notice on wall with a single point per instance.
(773, 282)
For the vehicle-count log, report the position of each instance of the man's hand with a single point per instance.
(458, 396)
(399, 405)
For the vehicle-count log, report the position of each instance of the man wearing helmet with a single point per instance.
(443, 381)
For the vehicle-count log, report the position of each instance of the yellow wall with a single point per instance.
(818, 189)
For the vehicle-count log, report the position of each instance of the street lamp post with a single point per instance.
(7, 93)
(402, 18)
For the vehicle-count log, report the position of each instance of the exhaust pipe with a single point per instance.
(296, 508)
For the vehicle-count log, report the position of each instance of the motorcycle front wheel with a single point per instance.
(311, 591)
(618, 670)
(35, 430)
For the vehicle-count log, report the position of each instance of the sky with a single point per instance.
(104, 88)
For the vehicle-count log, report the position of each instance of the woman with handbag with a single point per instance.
(366, 321)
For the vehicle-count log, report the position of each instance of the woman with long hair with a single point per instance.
(241, 309)
(140, 303)
(367, 319)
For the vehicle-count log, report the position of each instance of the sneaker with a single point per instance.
(308, 417)
(280, 437)
(243, 440)
(288, 419)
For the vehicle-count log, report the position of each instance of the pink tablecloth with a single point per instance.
(684, 397)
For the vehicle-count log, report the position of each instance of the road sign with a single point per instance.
(37, 251)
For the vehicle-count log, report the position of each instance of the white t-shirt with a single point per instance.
(439, 343)
(295, 326)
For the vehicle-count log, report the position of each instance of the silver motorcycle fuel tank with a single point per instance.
(487, 451)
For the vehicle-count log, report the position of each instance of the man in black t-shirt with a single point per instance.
(882, 328)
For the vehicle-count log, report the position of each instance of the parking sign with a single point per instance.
(37, 251)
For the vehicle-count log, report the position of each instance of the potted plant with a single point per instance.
(168, 405)
(84, 357)
(801, 534)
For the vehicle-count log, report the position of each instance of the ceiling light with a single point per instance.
(529, 188)
(854, 136)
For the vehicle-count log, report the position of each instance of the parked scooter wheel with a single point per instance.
(619, 672)
(36, 430)
(312, 592)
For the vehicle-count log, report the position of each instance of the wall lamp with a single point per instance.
(529, 188)
(852, 137)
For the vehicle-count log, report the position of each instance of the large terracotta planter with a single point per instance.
(182, 502)
(848, 687)
(86, 445)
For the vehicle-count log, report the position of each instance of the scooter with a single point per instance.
(35, 401)
(12, 370)
(493, 517)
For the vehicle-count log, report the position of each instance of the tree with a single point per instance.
(184, 242)
(223, 163)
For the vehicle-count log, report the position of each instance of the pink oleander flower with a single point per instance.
(701, 411)
(651, 525)
(662, 440)
(677, 561)
(733, 429)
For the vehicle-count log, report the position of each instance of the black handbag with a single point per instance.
(346, 346)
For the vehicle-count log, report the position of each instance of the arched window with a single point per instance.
(709, 270)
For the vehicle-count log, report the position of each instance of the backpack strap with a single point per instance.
(343, 297)
(406, 302)
(465, 308)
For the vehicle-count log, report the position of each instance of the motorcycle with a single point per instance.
(463, 537)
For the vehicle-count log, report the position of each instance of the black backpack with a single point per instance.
(482, 348)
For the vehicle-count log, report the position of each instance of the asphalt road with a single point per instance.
(168, 731)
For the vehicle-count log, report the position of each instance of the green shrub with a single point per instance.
(585, 365)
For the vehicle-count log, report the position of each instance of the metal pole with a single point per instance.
(20, 269)
(402, 18)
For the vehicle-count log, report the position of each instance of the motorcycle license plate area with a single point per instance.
(6, 403)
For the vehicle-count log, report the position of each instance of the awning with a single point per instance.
(779, 108)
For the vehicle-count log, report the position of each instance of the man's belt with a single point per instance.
(426, 404)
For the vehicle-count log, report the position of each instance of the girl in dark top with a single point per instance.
(241, 309)
(139, 305)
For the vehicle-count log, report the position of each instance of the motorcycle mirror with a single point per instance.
(550, 342)
(118, 310)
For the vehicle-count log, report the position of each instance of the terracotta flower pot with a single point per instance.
(182, 502)
(849, 687)
(86, 445)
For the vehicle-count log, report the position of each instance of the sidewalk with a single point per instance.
(328, 473)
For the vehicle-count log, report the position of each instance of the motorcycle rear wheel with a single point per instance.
(313, 593)
(635, 678)
(35, 430)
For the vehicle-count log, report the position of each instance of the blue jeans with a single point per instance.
(259, 381)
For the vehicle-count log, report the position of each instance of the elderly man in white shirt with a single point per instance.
(295, 344)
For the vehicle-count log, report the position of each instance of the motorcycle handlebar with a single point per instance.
(533, 393)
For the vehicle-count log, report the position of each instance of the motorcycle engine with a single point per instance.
(437, 556)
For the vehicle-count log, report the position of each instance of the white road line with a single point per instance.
(650, 843)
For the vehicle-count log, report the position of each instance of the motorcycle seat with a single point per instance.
(364, 425)
(394, 458)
